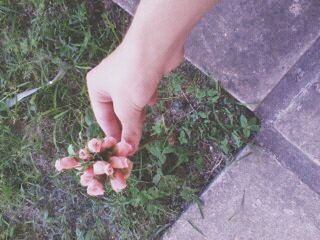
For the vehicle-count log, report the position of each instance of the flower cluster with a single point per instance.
(98, 164)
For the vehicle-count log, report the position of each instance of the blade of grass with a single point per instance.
(196, 228)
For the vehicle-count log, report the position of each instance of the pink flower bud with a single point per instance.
(67, 163)
(119, 162)
(95, 145)
(57, 165)
(118, 182)
(127, 171)
(108, 142)
(86, 177)
(85, 155)
(95, 188)
(109, 170)
(102, 167)
(99, 167)
(123, 149)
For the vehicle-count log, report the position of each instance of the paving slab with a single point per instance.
(255, 198)
(249, 45)
(290, 156)
(298, 78)
(128, 5)
(300, 121)
(292, 108)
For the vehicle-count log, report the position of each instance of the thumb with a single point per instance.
(153, 99)
(131, 119)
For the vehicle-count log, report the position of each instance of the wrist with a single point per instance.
(153, 53)
(142, 54)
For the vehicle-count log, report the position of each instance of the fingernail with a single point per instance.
(108, 142)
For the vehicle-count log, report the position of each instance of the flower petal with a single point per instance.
(99, 167)
(127, 171)
(95, 145)
(58, 165)
(119, 162)
(86, 177)
(109, 170)
(67, 163)
(85, 155)
(108, 142)
(118, 182)
(123, 149)
(95, 188)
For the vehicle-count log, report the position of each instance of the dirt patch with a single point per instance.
(43, 150)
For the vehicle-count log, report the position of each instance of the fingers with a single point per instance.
(131, 120)
(123, 149)
(153, 99)
(107, 119)
(115, 110)
(103, 109)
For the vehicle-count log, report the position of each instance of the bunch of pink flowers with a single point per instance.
(98, 163)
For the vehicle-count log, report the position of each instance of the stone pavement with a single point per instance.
(255, 198)
(249, 45)
(266, 53)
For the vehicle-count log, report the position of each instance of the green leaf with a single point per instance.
(88, 118)
(183, 157)
(199, 163)
(3, 107)
(168, 149)
(71, 150)
(246, 132)
(255, 128)
(157, 128)
(243, 121)
(200, 93)
(156, 150)
(183, 138)
(93, 130)
(252, 121)
(214, 99)
(236, 138)
(225, 146)
(153, 209)
(203, 114)
(211, 93)
(169, 183)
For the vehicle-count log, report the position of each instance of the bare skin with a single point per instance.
(126, 81)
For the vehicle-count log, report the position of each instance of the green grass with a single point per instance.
(190, 135)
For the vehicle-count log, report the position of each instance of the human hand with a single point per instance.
(119, 89)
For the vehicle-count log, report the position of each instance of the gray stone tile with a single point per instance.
(305, 71)
(290, 156)
(300, 121)
(128, 5)
(281, 132)
(255, 198)
(249, 45)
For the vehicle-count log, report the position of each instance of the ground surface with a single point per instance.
(189, 135)
(256, 194)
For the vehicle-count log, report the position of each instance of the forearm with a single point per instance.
(160, 27)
